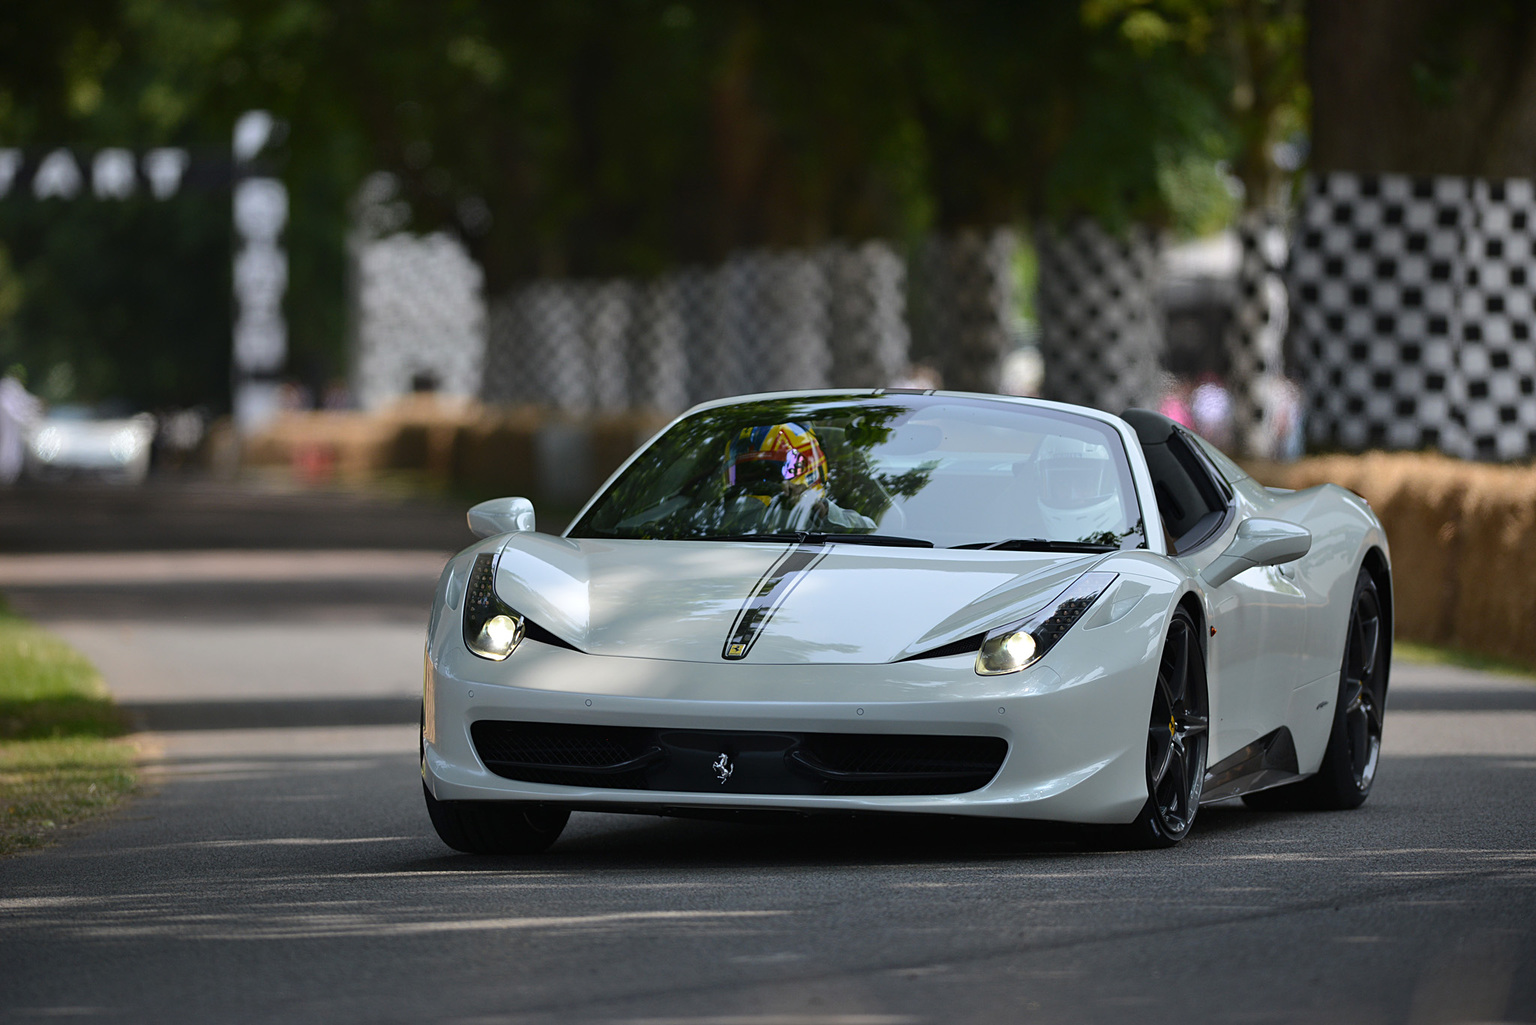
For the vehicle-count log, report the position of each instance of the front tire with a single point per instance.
(495, 827)
(490, 827)
(1344, 779)
(1176, 741)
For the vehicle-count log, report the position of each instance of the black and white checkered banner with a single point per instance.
(1412, 319)
(260, 209)
(107, 174)
(1100, 324)
(759, 321)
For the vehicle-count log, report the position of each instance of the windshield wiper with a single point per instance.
(815, 538)
(1039, 544)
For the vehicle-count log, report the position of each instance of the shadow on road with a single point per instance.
(648, 843)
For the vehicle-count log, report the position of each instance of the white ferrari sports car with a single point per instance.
(909, 601)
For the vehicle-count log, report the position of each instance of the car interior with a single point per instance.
(1191, 497)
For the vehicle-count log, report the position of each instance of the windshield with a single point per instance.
(929, 469)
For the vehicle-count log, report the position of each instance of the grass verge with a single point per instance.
(1428, 654)
(61, 756)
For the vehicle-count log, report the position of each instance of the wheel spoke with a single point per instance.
(1354, 646)
(1179, 774)
(1354, 689)
(1159, 752)
(1192, 725)
(1370, 636)
(1359, 741)
(1178, 682)
(1372, 712)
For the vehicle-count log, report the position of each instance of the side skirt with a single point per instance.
(1267, 762)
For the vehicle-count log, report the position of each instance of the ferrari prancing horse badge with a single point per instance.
(723, 768)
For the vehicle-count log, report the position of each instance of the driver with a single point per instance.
(778, 475)
(1079, 498)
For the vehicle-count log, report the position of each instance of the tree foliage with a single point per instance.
(593, 137)
(1424, 87)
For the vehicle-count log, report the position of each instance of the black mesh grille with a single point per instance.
(901, 754)
(556, 753)
(634, 758)
(896, 763)
(551, 744)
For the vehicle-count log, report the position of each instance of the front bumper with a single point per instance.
(1076, 738)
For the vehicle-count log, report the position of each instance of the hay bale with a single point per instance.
(1496, 606)
(1463, 538)
(350, 445)
(494, 455)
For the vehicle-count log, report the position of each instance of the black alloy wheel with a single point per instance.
(1354, 743)
(1363, 687)
(1176, 740)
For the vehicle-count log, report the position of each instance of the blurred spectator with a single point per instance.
(179, 435)
(337, 396)
(1286, 440)
(919, 375)
(1023, 370)
(1211, 408)
(1175, 405)
(19, 409)
(293, 396)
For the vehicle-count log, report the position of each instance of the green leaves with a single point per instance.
(604, 137)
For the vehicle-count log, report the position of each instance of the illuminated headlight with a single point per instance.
(491, 629)
(47, 444)
(1006, 653)
(125, 445)
(1020, 645)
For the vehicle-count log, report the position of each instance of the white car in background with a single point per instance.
(71, 440)
(910, 601)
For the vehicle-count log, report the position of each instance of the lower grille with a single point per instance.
(637, 758)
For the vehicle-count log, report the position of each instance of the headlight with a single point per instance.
(47, 444)
(1019, 645)
(491, 629)
(125, 444)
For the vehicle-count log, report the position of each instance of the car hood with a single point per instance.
(837, 603)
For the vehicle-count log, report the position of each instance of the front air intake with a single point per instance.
(832, 764)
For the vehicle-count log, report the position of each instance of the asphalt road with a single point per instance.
(279, 865)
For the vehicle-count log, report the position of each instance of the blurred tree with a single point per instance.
(594, 137)
(133, 296)
(1424, 87)
(1238, 93)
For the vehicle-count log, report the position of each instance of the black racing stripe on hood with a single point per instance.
(768, 595)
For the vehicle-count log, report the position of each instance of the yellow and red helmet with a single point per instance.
(762, 460)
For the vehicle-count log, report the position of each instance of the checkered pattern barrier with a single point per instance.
(1100, 326)
(1413, 314)
(962, 306)
(1255, 336)
(420, 318)
(760, 321)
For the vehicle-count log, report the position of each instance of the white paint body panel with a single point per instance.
(677, 599)
(650, 619)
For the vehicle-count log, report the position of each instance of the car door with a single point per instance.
(1259, 615)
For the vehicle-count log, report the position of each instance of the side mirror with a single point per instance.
(1258, 542)
(501, 516)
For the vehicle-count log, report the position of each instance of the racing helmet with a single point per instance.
(1078, 489)
(762, 460)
